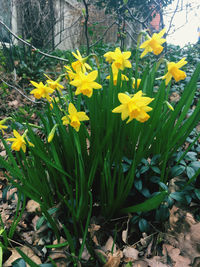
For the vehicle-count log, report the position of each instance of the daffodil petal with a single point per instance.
(72, 109)
(82, 116)
(123, 98)
(92, 75)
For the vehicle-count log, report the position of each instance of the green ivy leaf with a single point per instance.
(155, 169)
(143, 225)
(190, 172)
(195, 165)
(177, 170)
(147, 205)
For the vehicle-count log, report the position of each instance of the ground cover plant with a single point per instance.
(108, 146)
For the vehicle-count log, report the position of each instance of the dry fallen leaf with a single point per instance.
(175, 97)
(101, 255)
(14, 103)
(125, 232)
(174, 254)
(3, 153)
(15, 255)
(183, 233)
(92, 230)
(114, 260)
(130, 252)
(32, 206)
(140, 263)
(156, 261)
(109, 246)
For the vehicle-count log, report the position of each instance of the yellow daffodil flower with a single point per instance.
(54, 84)
(41, 91)
(85, 83)
(2, 126)
(74, 118)
(153, 44)
(115, 72)
(19, 141)
(119, 59)
(109, 57)
(138, 83)
(80, 63)
(72, 73)
(173, 71)
(66, 120)
(135, 107)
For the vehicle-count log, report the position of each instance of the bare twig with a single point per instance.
(147, 17)
(62, 30)
(170, 23)
(101, 38)
(86, 26)
(19, 91)
(30, 45)
(71, 5)
(132, 38)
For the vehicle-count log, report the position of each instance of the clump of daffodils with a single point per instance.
(85, 81)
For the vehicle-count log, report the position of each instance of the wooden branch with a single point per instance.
(101, 38)
(170, 23)
(86, 26)
(147, 17)
(30, 45)
(19, 91)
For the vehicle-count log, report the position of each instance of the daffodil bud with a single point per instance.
(51, 134)
(83, 11)
(169, 105)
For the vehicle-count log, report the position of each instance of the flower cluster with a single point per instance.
(154, 44)
(119, 59)
(80, 78)
(81, 75)
(45, 90)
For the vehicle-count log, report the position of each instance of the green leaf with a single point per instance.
(177, 170)
(1, 254)
(190, 172)
(191, 156)
(162, 213)
(197, 193)
(195, 165)
(138, 184)
(143, 225)
(178, 196)
(58, 245)
(42, 219)
(147, 205)
(26, 258)
(47, 265)
(144, 169)
(19, 263)
(155, 169)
